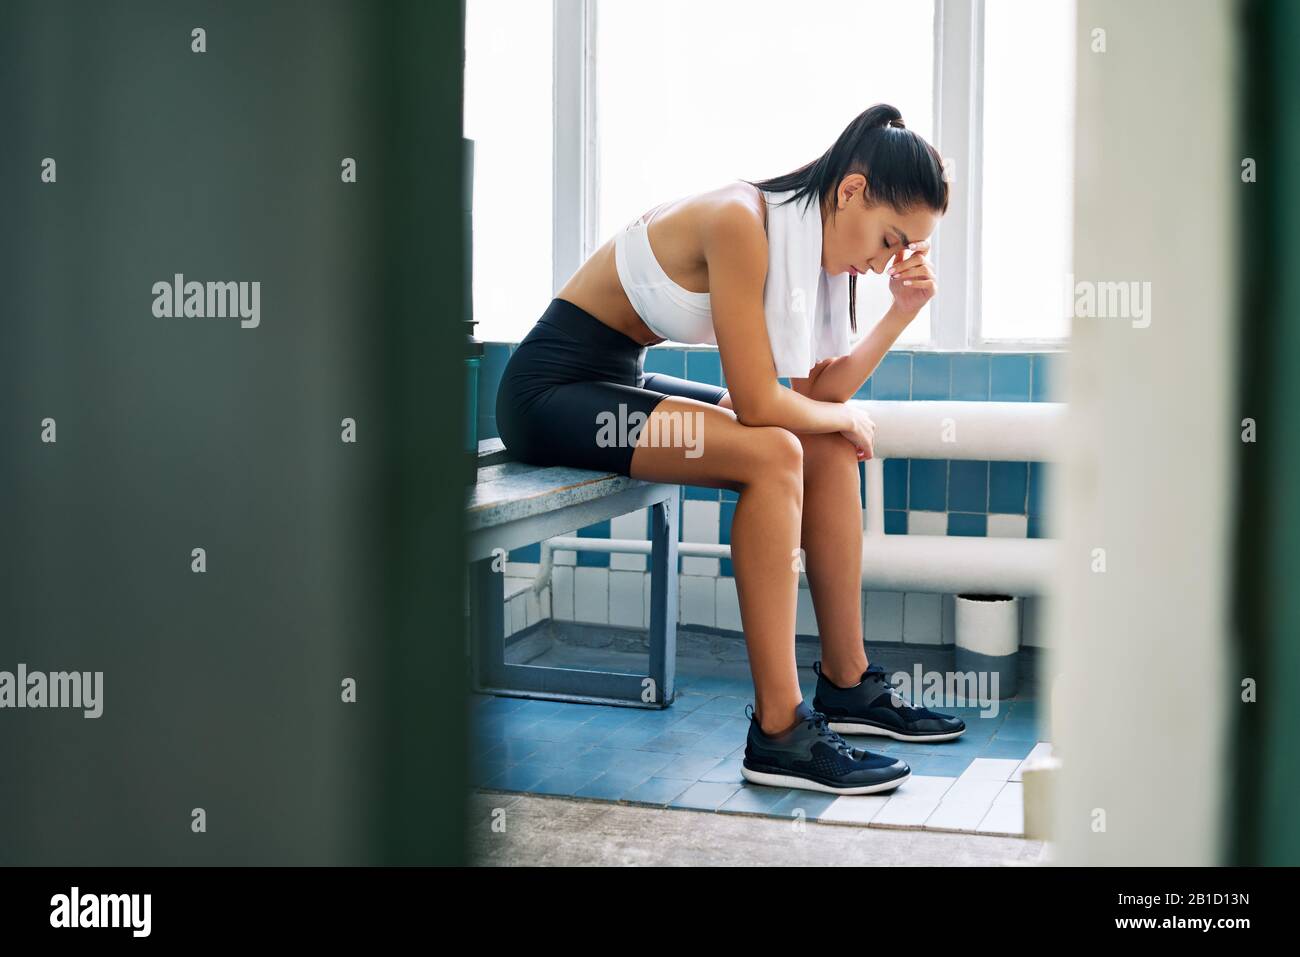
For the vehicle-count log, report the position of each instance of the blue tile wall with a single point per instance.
(1008, 485)
(968, 486)
(970, 377)
(1045, 376)
(666, 362)
(896, 483)
(1009, 378)
(931, 375)
(701, 494)
(927, 486)
(594, 559)
(529, 553)
(1038, 475)
(704, 366)
(968, 491)
(493, 363)
(893, 377)
(967, 523)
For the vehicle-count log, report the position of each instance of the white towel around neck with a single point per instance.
(807, 311)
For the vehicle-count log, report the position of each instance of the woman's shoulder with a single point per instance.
(734, 213)
(740, 204)
(733, 228)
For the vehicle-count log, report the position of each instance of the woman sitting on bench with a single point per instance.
(767, 271)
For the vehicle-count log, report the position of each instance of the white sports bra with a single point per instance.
(665, 307)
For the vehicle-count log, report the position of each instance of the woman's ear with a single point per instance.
(850, 186)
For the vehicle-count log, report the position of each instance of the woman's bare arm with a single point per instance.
(838, 379)
(736, 251)
(912, 283)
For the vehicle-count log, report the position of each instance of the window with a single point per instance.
(508, 68)
(587, 113)
(1028, 168)
(691, 95)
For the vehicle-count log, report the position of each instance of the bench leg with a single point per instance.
(493, 675)
(663, 598)
(487, 590)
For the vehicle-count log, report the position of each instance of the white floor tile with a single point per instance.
(965, 804)
(991, 769)
(855, 808)
(1041, 750)
(925, 785)
(913, 802)
(1007, 815)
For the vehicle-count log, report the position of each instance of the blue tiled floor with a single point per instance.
(688, 755)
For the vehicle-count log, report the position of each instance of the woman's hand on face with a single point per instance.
(911, 281)
(863, 434)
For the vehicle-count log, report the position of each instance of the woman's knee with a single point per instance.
(776, 455)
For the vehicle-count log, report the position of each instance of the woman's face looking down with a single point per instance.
(862, 237)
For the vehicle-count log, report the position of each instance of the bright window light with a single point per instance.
(508, 78)
(1028, 168)
(693, 95)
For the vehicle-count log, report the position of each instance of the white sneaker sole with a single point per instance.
(805, 784)
(845, 727)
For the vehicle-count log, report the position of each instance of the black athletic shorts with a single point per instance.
(572, 377)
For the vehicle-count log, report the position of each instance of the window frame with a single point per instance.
(959, 124)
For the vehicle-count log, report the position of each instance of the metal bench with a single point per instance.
(514, 504)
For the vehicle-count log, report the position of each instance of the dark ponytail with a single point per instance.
(902, 170)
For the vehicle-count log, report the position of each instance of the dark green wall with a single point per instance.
(325, 560)
(1266, 777)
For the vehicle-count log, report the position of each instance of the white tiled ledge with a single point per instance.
(988, 798)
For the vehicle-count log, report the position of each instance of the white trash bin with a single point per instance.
(988, 639)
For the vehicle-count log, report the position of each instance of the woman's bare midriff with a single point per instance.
(676, 232)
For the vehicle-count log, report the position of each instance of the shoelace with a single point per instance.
(818, 722)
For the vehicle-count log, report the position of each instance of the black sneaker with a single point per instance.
(874, 706)
(813, 757)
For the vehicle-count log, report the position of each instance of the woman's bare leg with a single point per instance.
(765, 466)
(832, 543)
